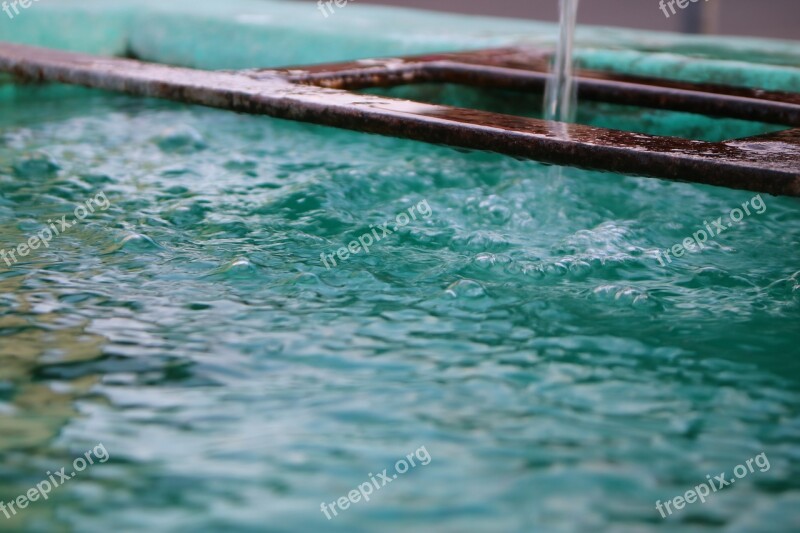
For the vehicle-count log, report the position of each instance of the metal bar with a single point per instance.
(618, 92)
(750, 165)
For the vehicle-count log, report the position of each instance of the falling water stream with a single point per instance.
(561, 96)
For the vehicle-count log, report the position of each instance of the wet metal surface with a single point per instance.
(769, 164)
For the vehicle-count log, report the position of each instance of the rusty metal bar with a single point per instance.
(769, 164)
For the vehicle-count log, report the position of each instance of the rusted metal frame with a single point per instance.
(524, 59)
(716, 101)
(769, 164)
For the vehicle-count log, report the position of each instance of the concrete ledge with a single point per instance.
(234, 34)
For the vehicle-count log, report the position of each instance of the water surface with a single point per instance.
(560, 378)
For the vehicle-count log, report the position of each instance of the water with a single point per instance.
(561, 96)
(524, 333)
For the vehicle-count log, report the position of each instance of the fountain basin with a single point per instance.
(527, 328)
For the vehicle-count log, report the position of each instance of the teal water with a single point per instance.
(524, 334)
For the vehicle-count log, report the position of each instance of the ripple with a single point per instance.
(182, 139)
(38, 165)
(134, 243)
(238, 267)
(627, 296)
(466, 288)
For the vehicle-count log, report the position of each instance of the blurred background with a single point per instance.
(761, 18)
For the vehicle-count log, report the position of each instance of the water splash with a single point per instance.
(561, 96)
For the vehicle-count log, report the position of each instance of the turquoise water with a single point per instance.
(524, 333)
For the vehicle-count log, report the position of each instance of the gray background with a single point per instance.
(764, 18)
